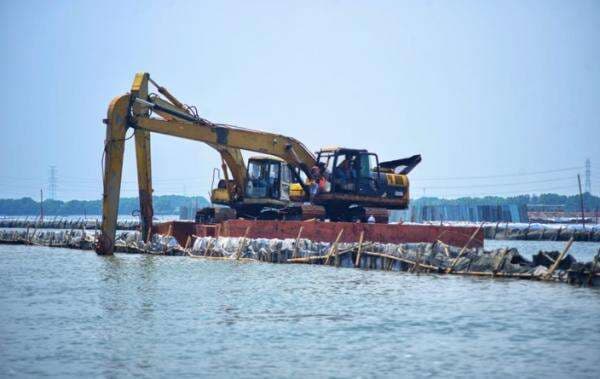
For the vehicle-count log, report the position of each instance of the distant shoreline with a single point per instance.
(163, 205)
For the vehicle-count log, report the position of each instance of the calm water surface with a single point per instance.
(72, 313)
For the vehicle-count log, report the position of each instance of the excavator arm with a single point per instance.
(288, 149)
(134, 110)
(232, 158)
(174, 110)
(227, 139)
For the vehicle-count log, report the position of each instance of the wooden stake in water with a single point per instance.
(559, 259)
(449, 270)
(333, 248)
(209, 246)
(242, 243)
(415, 267)
(360, 245)
(296, 245)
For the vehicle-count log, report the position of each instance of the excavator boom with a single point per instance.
(133, 110)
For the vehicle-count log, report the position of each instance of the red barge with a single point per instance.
(325, 231)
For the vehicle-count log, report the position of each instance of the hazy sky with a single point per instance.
(479, 88)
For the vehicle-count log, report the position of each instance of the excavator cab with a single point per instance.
(358, 172)
(355, 180)
(351, 171)
(267, 179)
(267, 189)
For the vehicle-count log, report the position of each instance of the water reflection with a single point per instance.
(128, 315)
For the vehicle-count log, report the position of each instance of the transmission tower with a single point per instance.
(52, 183)
(588, 176)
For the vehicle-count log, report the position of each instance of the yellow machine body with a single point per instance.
(220, 196)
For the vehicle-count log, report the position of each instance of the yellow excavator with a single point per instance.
(354, 179)
(267, 194)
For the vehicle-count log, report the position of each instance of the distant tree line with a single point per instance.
(169, 204)
(163, 205)
(571, 203)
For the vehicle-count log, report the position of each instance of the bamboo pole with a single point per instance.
(318, 257)
(296, 247)
(360, 245)
(439, 242)
(333, 248)
(220, 258)
(438, 238)
(209, 246)
(415, 267)
(32, 239)
(455, 260)
(306, 259)
(423, 265)
(522, 275)
(548, 257)
(242, 243)
(554, 266)
(446, 251)
(389, 264)
(345, 251)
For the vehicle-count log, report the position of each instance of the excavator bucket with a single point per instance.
(409, 164)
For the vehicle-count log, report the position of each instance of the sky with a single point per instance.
(499, 97)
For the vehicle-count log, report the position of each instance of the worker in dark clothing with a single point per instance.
(344, 175)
